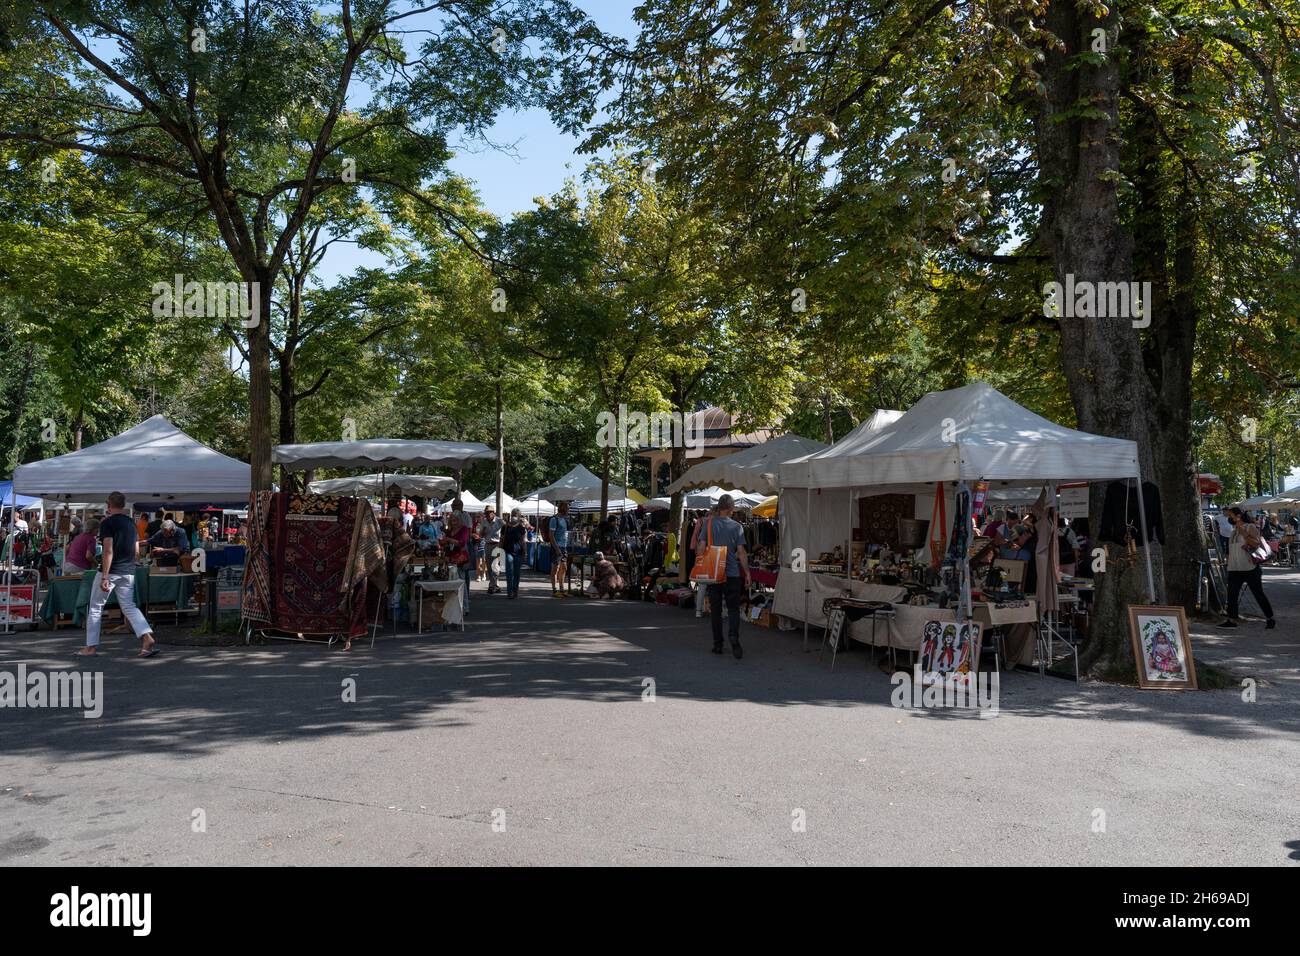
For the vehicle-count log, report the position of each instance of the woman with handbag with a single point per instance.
(459, 552)
(1246, 552)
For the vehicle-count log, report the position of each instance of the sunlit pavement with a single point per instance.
(535, 738)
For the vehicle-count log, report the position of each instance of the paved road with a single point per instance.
(536, 721)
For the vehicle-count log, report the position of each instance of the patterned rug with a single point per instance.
(257, 564)
(312, 542)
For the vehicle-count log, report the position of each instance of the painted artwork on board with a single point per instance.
(949, 648)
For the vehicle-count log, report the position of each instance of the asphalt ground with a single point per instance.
(534, 738)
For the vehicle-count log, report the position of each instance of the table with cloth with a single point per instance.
(1019, 622)
(453, 614)
(71, 596)
(906, 627)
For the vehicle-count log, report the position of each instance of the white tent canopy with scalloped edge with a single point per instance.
(423, 485)
(380, 451)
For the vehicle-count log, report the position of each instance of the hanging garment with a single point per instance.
(938, 529)
(1046, 562)
(960, 528)
(1120, 515)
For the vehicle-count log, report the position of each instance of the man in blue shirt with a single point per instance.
(559, 525)
(723, 531)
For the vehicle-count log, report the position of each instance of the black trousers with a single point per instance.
(1253, 580)
(730, 592)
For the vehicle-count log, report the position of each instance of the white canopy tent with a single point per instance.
(958, 436)
(381, 451)
(578, 485)
(426, 486)
(1285, 499)
(964, 434)
(535, 507)
(708, 497)
(154, 461)
(615, 506)
(753, 468)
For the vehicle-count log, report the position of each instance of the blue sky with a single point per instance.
(538, 162)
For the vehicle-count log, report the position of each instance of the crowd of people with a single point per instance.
(487, 547)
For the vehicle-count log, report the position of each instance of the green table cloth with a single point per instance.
(73, 597)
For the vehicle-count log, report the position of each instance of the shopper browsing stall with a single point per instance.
(1244, 550)
(513, 540)
(80, 554)
(459, 552)
(721, 530)
(490, 532)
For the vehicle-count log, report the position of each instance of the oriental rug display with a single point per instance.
(257, 561)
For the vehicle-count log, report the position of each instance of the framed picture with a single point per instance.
(1162, 647)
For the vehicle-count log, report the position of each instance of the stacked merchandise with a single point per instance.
(311, 561)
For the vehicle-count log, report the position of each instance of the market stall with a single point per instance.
(154, 464)
(356, 561)
(931, 459)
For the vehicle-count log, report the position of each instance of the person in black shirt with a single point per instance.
(117, 573)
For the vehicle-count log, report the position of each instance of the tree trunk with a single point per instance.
(259, 389)
(1170, 346)
(1081, 230)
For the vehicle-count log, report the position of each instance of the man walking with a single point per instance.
(721, 530)
(117, 573)
(559, 525)
(490, 529)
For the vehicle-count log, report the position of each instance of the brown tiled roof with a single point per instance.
(716, 424)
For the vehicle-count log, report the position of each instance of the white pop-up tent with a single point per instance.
(154, 461)
(578, 485)
(381, 451)
(705, 498)
(614, 506)
(423, 485)
(958, 436)
(753, 468)
(964, 434)
(535, 507)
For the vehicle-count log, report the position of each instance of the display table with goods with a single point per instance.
(155, 591)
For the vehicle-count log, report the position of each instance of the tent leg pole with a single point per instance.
(807, 581)
(1146, 544)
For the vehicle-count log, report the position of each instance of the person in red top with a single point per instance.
(80, 555)
(457, 542)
